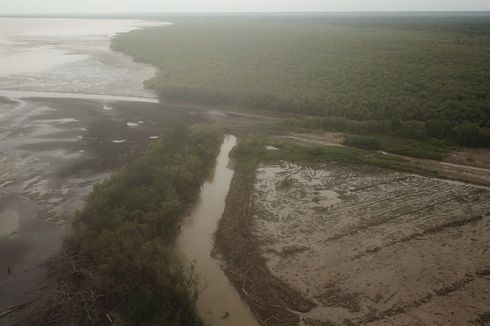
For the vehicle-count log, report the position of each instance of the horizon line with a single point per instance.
(243, 12)
(120, 15)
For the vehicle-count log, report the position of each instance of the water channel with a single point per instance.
(219, 302)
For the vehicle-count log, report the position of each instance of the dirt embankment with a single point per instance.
(272, 300)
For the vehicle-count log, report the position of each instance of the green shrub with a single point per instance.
(364, 142)
(470, 134)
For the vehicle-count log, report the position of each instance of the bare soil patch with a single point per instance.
(331, 245)
(367, 246)
(326, 138)
(271, 299)
(479, 157)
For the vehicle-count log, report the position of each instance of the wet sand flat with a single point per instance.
(369, 246)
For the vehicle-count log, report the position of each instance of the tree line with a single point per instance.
(432, 77)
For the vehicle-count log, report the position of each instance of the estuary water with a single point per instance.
(69, 56)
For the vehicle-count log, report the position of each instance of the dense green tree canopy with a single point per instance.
(402, 69)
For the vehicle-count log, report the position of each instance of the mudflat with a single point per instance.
(52, 153)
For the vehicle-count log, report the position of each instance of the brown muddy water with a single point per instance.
(219, 302)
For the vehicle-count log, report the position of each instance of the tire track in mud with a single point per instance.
(317, 247)
(398, 187)
(387, 182)
(367, 226)
(354, 208)
(407, 194)
(445, 291)
(440, 228)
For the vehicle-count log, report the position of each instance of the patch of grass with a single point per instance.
(345, 155)
(432, 149)
(365, 142)
(251, 151)
(370, 138)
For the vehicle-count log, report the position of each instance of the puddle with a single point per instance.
(219, 113)
(271, 148)
(65, 120)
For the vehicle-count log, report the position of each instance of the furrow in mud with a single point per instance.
(440, 228)
(364, 244)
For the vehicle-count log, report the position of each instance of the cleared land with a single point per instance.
(365, 245)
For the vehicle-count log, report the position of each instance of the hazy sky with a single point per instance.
(106, 6)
